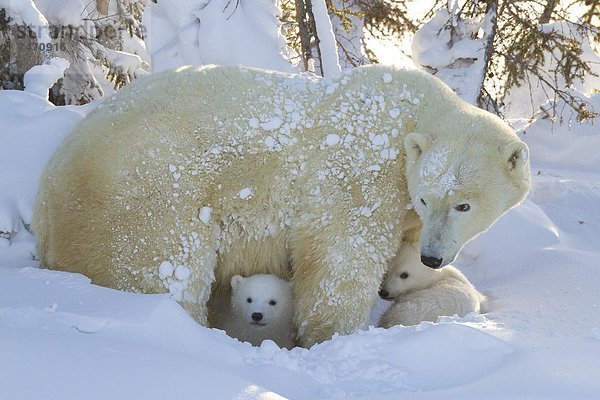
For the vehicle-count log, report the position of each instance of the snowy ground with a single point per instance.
(63, 338)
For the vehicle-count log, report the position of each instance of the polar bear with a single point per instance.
(424, 294)
(260, 307)
(222, 171)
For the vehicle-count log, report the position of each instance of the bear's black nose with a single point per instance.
(384, 294)
(257, 316)
(431, 262)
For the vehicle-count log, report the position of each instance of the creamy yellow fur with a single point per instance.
(295, 170)
(425, 294)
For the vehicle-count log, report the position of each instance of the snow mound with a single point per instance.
(578, 143)
(86, 327)
(25, 149)
(413, 355)
(79, 327)
(533, 224)
(39, 79)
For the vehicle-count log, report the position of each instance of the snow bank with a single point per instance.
(578, 143)
(79, 328)
(184, 32)
(30, 129)
(412, 356)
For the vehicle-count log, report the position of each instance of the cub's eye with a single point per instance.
(272, 302)
(423, 202)
(404, 275)
(249, 299)
(462, 207)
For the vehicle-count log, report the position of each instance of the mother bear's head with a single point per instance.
(463, 179)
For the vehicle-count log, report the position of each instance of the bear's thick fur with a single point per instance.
(260, 307)
(188, 177)
(425, 294)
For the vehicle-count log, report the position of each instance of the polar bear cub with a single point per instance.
(260, 308)
(421, 293)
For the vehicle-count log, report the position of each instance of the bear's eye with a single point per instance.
(249, 299)
(462, 207)
(404, 275)
(423, 202)
(272, 302)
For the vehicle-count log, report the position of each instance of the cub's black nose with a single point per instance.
(257, 316)
(384, 294)
(431, 262)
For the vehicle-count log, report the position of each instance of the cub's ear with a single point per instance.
(235, 281)
(516, 156)
(415, 144)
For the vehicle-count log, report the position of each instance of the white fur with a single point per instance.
(421, 293)
(444, 176)
(186, 178)
(271, 298)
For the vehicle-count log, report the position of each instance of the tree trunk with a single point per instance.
(548, 9)
(102, 6)
(309, 39)
(491, 13)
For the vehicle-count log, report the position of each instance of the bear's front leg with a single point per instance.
(189, 275)
(335, 286)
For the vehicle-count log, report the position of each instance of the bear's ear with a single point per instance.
(415, 144)
(516, 156)
(235, 281)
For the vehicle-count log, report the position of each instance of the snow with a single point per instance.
(165, 269)
(332, 139)
(182, 32)
(62, 337)
(456, 58)
(26, 12)
(63, 13)
(327, 44)
(395, 112)
(245, 193)
(24, 151)
(205, 214)
(254, 123)
(272, 124)
(129, 63)
(175, 279)
(39, 79)
(349, 34)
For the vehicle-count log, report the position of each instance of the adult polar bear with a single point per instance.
(188, 177)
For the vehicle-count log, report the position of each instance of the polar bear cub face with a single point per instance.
(261, 300)
(456, 192)
(406, 273)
